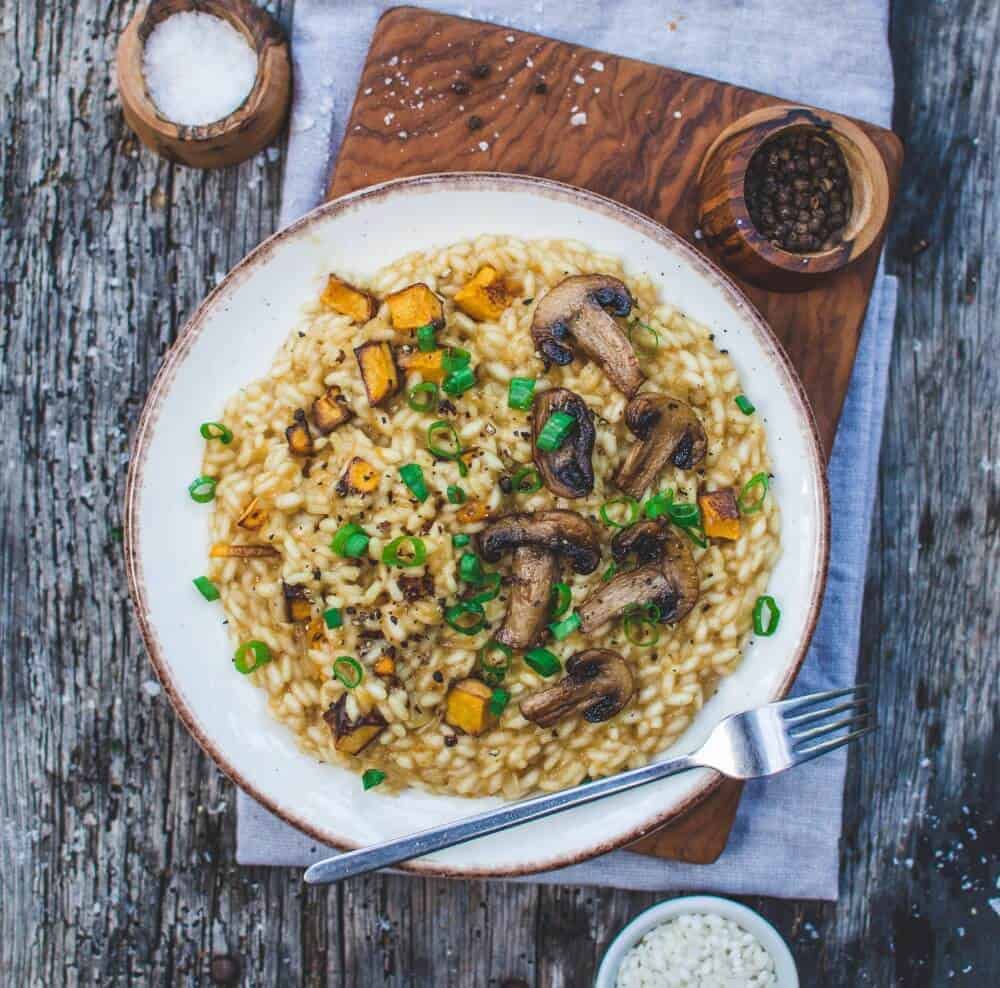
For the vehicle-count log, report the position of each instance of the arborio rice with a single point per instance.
(697, 951)
(304, 511)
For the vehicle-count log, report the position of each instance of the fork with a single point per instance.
(749, 745)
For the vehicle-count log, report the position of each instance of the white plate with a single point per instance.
(232, 339)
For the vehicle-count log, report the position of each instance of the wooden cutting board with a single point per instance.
(626, 129)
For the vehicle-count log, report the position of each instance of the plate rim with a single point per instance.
(245, 268)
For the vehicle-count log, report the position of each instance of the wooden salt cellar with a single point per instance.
(725, 221)
(234, 138)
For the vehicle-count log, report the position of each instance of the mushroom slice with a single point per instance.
(562, 532)
(566, 471)
(582, 307)
(670, 583)
(534, 573)
(669, 432)
(597, 685)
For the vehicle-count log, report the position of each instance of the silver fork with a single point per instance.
(749, 745)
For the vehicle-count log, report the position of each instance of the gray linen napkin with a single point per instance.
(786, 838)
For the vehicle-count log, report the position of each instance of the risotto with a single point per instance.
(496, 520)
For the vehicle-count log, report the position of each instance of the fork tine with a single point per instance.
(816, 715)
(815, 751)
(811, 698)
(816, 732)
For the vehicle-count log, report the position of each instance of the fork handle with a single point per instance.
(392, 852)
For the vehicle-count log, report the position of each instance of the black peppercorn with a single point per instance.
(541, 88)
(480, 71)
(461, 87)
(475, 123)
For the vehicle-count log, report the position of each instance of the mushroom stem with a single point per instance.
(534, 571)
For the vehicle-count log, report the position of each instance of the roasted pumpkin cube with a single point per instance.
(471, 512)
(720, 514)
(429, 364)
(360, 477)
(378, 371)
(298, 605)
(467, 706)
(385, 666)
(353, 735)
(300, 440)
(484, 297)
(316, 632)
(415, 306)
(349, 301)
(253, 516)
(330, 410)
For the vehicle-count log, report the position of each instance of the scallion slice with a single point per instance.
(555, 431)
(443, 431)
(202, 489)
(491, 583)
(333, 618)
(766, 624)
(609, 572)
(544, 662)
(371, 777)
(636, 619)
(696, 535)
(494, 661)
(560, 599)
(527, 480)
(499, 701)
(260, 653)
(459, 381)
(465, 617)
(750, 502)
(648, 341)
(564, 628)
(659, 504)
(348, 671)
(425, 338)
(206, 587)
(423, 404)
(744, 404)
(460, 539)
(521, 393)
(216, 430)
(685, 515)
(631, 506)
(405, 552)
(412, 475)
(456, 494)
(470, 569)
(350, 541)
(455, 358)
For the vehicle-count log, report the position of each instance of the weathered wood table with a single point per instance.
(117, 842)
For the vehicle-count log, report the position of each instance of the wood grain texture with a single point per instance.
(442, 93)
(118, 836)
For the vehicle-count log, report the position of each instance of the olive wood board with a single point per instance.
(646, 131)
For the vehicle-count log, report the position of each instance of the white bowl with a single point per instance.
(770, 939)
(232, 338)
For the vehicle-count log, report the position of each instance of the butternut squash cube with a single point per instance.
(720, 514)
(429, 364)
(415, 306)
(385, 667)
(484, 297)
(253, 516)
(471, 512)
(349, 301)
(298, 606)
(300, 440)
(378, 371)
(360, 477)
(468, 706)
(330, 410)
(351, 736)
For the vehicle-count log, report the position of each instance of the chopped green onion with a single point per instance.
(459, 381)
(348, 671)
(413, 476)
(644, 345)
(631, 506)
(416, 552)
(491, 581)
(744, 502)
(456, 494)
(560, 599)
(544, 662)
(418, 404)
(460, 539)
(469, 568)
(206, 587)
(202, 489)
(635, 618)
(455, 358)
(499, 701)
(696, 535)
(685, 515)
(454, 450)
(773, 616)
(521, 393)
(350, 541)
(333, 618)
(745, 405)
(659, 504)
(425, 338)
(609, 572)
(261, 657)
(555, 431)
(457, 617)
(371, 778)
(564, 628)
(216, 430)
(493, 670)
(527, 480)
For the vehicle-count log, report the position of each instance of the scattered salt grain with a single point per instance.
(388, 118)
(483, 146)
(578, 119)
(579, 79)
(198, 68)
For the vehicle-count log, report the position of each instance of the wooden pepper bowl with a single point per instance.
(234, 138)
(725, 222)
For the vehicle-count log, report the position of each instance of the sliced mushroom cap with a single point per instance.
(534, 572)
(566, 471)
(597, 685)
(669, 432)
(670, 583)
(576, 308)
(561, 532)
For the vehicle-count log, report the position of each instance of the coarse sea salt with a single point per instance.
(198, 68)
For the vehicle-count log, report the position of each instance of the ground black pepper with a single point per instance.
(475, 123)
(798, 191)
(460, 86)
(480, 71)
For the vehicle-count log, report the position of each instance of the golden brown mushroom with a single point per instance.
(566, 471)
(597, 686)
